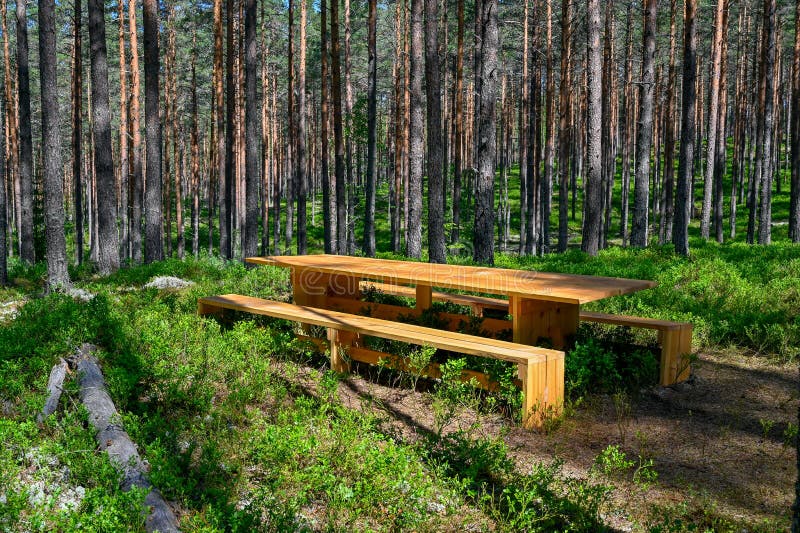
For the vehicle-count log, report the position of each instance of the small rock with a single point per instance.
(436, 507)
(168, 282)
(80, 294)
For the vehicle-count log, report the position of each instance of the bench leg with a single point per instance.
(541, 319)
(204, 309)
(338, 341)
(542, 390)
(676, 344)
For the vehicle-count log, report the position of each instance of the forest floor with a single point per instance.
(246, 429)
(719, 443)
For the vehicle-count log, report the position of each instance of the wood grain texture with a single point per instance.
(568, 288)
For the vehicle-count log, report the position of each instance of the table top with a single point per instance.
(568, 288)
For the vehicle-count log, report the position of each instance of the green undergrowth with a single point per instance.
(244, 429)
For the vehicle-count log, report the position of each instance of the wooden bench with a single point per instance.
(675, 338)
(540, 371)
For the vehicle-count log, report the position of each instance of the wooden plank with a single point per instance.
(630, 321)
(457, 342)
(536, 320)
(394, 312)
(423, 295)
(467, 300)
(543, 390)
(569, 288)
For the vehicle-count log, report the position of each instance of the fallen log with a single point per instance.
(54, 387)
(113, 438)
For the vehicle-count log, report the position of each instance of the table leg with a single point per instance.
(424, 297)
(536, 320)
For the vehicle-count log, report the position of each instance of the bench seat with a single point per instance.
(540, 371)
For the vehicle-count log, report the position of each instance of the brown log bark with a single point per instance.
(683, 195)
(564, 123)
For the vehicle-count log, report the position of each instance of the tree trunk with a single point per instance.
(12, 137)
(25, 214)
(302, 178)
(124, 159)
(721, 138)
(564, 124)
(794, 206)
(136, 138)
(250, 242)
(153, 244)
(57, 275)
(458, 161)
(713, 117)
(641, 186)
(108, 245)
(592, 224)
(628, 128)
(195, 154)
(767, 166)
(665, 230)
(3, 200)
(226, 234)
(338, 134)
(523, 135)
(329, 208)
(416, 148)
(291, 176)
(433, 94)
(372, 103)
(683, 197)
(483, 238)
(77, 123)
(549, 134)
(221, 149)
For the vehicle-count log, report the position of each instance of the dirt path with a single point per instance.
(717, 443)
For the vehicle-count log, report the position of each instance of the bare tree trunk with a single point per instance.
(153, 244)
(221, 149)
(291, 176)
(683, 196)
(563, 124)
(523, 135)
(794, 207)
(108, 245)
(628, 128)
(592, 224)
(195, 180)
(77, 123)
(767, 166)
(3, 200)
(665, 230)
(338, 134)
(416, 153)
(713, 116)
(549, 134)
(641, 187)
(57, 275)
(436, 243)
(372, 104)
(302, 178)
(609, 89)
(136, 147)
(458, 161)
(226, 234)
(250, 241)
(124, 158)
(329, 208)
(25, 214)
(721, 149)
(483, 238)
(12, 137)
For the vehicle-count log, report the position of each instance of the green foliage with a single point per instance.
(591, 367)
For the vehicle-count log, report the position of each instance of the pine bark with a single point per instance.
(372, 105)
(794, 204)
(338, 134)
(3, 201)
(221, 148)
(108, 245)
(57, 275)
(416, 150)
(713, 118)
(592, 224)
(458, 161)
(136, 138)
(564, 124)
(683, 196)
(302, 157)
(329, 209)
(767, 165)
(433, 93)
(25, 213)
(153, 243)
(252, 178)
(226, 246)
(124, 157)
(641, 186)
(77, 124)
(720, 153)
(195, 161)
(483, 238)
(665, 230)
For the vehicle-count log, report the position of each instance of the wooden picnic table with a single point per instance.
(541, 304)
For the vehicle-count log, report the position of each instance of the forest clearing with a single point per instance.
(420, 265)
